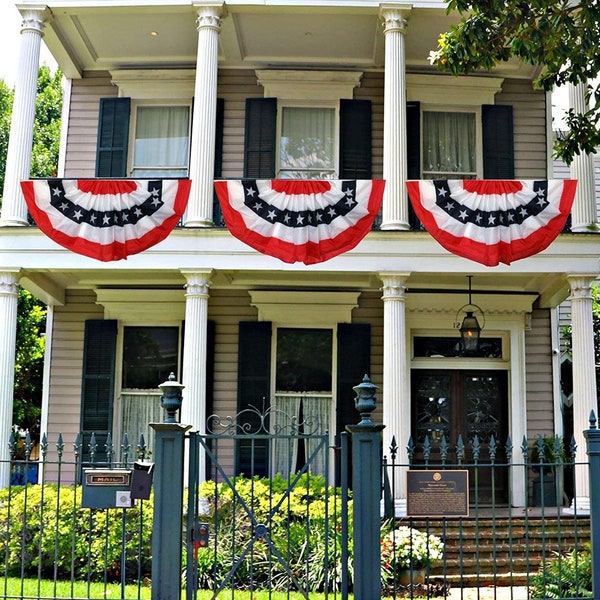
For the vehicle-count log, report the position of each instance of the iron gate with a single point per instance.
(281, 524)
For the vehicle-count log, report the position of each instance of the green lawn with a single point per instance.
(13, 587)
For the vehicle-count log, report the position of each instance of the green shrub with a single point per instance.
(564, 576)
(301, 547)
(45, 532)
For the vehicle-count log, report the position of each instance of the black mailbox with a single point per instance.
(141, 480)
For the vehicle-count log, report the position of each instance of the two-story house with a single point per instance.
(226, 293)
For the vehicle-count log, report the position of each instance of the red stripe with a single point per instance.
(293, 187)
(102, 186)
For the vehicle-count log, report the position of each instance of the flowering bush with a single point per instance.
(408, 548)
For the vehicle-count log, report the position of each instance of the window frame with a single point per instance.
(476, 111)
(282, 104)
(158, 103)
(331, 428)
(118, 426)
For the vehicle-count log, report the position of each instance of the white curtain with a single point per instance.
(139, 409)
(319, 409)
(449, 145)
(307, 143)
(316, 419)
(285, 449)
(161, 141)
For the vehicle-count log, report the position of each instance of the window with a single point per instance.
(307, 143)
(449, 145)
(303, 392)
(150, 354)
(161, 141)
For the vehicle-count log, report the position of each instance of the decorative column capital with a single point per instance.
(209, 16)
(34, 19)
(581, 285)
(394, 287)
(395, 17)
(9, 283)
(198, 283)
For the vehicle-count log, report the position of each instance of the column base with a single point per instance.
(399, 505)
(198, 223)
(394, 225)
(579, 506)
(585, 228)
(13, 222)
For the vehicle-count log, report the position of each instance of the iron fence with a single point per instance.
(522, 536)
(509, 524)
(54, 546)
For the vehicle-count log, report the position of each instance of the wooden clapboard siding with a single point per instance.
(227, 308)
(538, 381)
(370, 310)
(234, 87)
(371, 88)
(66, 368)
(82, 133)
(529, 119)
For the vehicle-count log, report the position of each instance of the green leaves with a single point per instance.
(561, 37)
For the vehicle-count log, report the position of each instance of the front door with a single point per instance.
(448, 404)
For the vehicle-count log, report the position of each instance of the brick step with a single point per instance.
(500, 552)
(515, 548)
(467, 580)
(489, 565)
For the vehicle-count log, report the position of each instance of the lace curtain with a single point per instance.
(316, 418)
(448, 145)
(139, 409)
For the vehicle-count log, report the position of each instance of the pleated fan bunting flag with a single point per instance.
(307, 221)
(493, 221)
(106, 219)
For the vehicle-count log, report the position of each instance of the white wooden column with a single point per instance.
(584, 379)
(193, 408)
(202, 154)
(396, 389)
(8, 337)
(18, 157)
(395, 198)
(583, 214)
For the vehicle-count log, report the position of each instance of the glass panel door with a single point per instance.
(448, 404)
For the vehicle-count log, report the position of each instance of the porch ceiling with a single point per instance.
(51, 286)
(89, 36)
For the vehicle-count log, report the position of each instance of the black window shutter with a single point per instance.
(260, 138)
(98, 381)
(254, 379)
(210, 367)
(353, 363)
(218, 219)
(498, 142)
(355, 139)
(113, 137)
(413, 154)
(219, 137)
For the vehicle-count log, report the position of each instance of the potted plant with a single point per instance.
(547, 453)
(407, 554)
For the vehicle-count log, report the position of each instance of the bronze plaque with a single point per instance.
(437, 493)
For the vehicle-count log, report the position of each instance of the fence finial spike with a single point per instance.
(593, 420)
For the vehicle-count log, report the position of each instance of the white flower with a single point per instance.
(407, 547)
